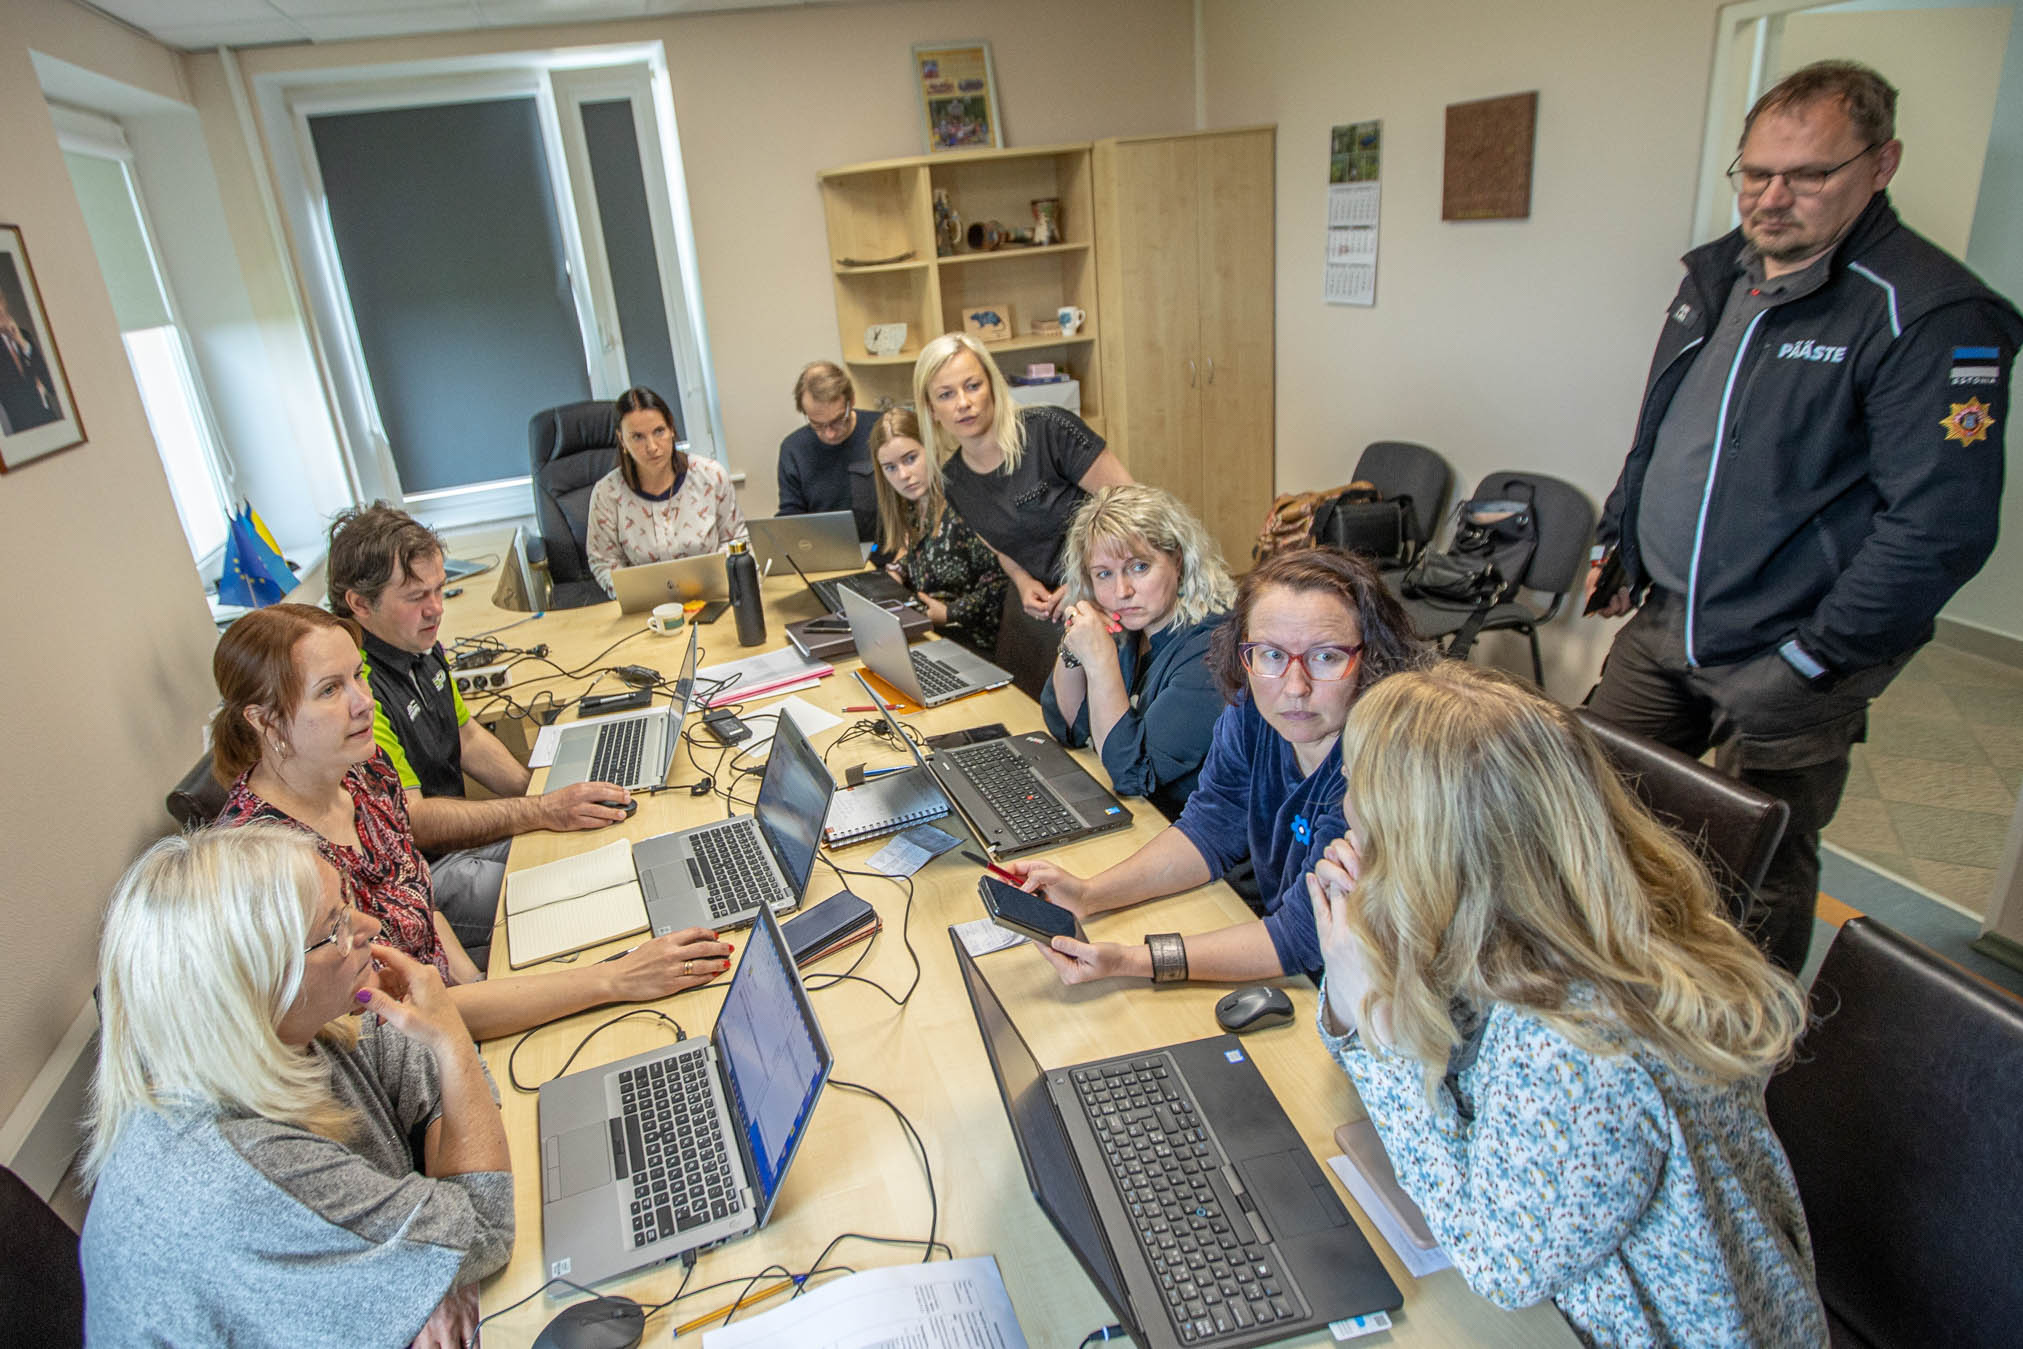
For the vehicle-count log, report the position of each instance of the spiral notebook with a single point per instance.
(882, 806)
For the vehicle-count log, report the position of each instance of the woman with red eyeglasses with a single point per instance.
(1310, 630)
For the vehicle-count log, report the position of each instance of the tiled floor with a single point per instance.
(1931, 794)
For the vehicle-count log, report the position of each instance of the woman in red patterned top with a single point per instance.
(293, 741)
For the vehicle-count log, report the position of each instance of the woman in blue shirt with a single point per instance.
(1310, 630)
(1559, 1036)
(1138, 565)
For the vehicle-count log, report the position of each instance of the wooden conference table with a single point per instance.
(857, 1171)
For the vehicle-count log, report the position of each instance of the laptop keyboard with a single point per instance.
(729, 864)
(1216, 1277)
(667, 1138)
(1028, 808)
(937, 677)
(619, 747)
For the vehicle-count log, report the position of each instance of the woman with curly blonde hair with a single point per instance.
(1144, 590)
(1560, 1039)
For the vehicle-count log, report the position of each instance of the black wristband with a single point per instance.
(1169, 957)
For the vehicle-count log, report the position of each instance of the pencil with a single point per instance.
(739, 1305)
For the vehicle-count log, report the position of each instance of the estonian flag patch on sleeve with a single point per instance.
(1977, 365)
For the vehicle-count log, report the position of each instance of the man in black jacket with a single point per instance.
(1817, 468)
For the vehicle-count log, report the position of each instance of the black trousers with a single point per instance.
(1767, 727)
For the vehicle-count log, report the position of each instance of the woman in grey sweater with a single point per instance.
(267, 1170)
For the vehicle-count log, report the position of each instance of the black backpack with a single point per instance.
(1360, 520)
(1483, 567)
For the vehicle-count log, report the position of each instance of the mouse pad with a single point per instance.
(1284, 1194)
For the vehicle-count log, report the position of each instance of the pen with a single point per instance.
(866, 708)
(741, 1303)
(881, 772)
(993, 868)
(620, 956)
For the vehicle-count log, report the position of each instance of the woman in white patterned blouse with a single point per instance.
(1559, 1036)
(660, 504)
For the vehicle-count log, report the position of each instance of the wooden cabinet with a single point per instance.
(876, 211)
(1186, 282)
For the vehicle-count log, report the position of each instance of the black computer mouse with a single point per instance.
(1253, 1008)
(600, 1323)
(627, 806)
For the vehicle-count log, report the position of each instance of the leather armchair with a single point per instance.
(571, 447)
(1734, 826)
(1900, 1116)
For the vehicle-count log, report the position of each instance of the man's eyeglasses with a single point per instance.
(343, 934)
(841, 426)
(1801, 182)
(1323, 664)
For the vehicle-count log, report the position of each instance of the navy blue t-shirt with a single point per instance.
(1253, 801)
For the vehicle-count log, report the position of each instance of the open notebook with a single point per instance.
(575, 903)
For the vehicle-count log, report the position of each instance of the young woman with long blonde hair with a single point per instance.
(1560, 1038)
(936, 555)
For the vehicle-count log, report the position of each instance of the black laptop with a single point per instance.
(1179, 1183)
(875, 586)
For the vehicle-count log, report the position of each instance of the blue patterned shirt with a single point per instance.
(1653, 1207)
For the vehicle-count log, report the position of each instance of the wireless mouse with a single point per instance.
(627, 806)
(1253, 1008)
(600, 1323)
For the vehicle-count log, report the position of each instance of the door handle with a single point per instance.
(1190, 372)
(1211, 370)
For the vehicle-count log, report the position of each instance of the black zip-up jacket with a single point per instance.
(1857, 469)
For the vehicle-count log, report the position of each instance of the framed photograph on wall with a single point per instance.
(958, 96)
(37, 414)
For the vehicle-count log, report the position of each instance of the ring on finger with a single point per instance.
(688, 967)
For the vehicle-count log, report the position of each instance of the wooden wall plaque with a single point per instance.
(1489, 146)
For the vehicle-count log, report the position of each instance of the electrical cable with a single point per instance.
(512, 1057)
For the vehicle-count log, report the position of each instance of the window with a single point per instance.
(200, 477)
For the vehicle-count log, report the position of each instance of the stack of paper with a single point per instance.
(957, 1304)
(578, 902)
(774, 671)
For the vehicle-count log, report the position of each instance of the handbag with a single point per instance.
(1484, 565)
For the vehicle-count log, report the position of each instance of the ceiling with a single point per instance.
(197, 24)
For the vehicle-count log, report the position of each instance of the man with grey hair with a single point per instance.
(1816, 469)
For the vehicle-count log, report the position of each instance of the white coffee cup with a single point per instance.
(666, 618)
(1072, 318)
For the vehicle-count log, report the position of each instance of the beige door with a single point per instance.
(1235, 240)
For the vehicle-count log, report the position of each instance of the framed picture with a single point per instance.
(988, 322)
(37, 414)
(958, 96)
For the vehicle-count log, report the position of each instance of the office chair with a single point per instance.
(41, 1284)
(197, 797)
(1026, 646)
(1899, 1114)
(571, 447)
(1401, 470)
(1565, 523)
(1734, 827)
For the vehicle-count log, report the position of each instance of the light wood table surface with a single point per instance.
(857, 1171)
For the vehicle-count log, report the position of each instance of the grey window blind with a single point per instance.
(445, 227)
(620, 186)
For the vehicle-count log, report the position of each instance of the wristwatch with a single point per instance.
(1809, 667)
(1169, 957)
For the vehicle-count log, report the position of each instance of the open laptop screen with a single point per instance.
(793, 798)
(775, 1059)
(1043, 1144)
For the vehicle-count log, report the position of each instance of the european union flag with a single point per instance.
(255, 574)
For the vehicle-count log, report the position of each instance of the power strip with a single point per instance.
(483, 679)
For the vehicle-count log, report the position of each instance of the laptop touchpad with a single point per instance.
(1284, 1195)
(585, 1160)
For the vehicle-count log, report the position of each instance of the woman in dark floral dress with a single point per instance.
(957, 576)
(295, 739)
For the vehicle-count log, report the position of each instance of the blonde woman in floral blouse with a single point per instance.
(1560, 1039)
(660, 504)
(956, 575)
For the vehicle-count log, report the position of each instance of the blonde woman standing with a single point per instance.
(1015, 473)
(936, 555)
(1561, 1040)
(250, 1145)
(1145, 590)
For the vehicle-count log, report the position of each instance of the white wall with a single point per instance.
(108, 642)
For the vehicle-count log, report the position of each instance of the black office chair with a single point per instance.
(571, 447)
(1899, 1114)
(1734, 827)
(41, 1284)
(1401, 470)
(197, 798)
(1565, 524)
(1026, 646)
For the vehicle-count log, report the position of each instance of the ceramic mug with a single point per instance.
(667, 617)
(1072, 318)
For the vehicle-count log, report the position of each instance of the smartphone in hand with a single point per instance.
(1028, 915)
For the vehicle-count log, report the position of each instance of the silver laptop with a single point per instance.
(824, 542)
(634, 752)
(681, 580)
(619, 1191)
(721, 875)
(1017, 793)
(522, 587)
(931, 674)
